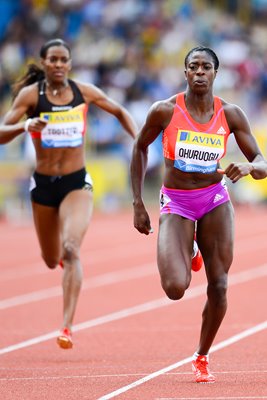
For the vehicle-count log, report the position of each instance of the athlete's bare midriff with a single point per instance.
(176, 179)
(58, 162)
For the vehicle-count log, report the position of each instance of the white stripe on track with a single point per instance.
(113, 278)
(94, 282)
(244, 245)
(233, 339)
(95, 257)
(149, 306)
(213, 398)
(91, 376)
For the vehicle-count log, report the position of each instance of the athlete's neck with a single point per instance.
(57, 89)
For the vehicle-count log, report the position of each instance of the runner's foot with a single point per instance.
(201, 370)
(64, 340)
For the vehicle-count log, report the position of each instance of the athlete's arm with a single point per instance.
(94, 95)
(12, 127)
(239, 125)
(149, 132)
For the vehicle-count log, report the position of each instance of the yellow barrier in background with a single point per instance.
(110, 178)
(111, 181)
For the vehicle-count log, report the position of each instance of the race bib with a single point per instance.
(64, 128)
(198, 151)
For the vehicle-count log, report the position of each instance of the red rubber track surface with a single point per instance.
(130, 341)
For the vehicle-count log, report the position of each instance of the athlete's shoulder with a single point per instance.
(89, 91)
(234, 114)
(231, 108)
(160, 112)
(29, 89)
(28, 94)
(164, 106)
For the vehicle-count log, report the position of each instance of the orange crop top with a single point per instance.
(195, 147)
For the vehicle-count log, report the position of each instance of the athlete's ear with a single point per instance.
(185, 74)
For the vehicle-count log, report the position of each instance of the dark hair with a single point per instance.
(207, 50)
(51, 43)
(35, 73)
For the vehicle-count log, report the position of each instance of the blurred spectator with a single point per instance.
(135, 49)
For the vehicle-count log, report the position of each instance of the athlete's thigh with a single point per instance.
(215, 235)
(175, 241)
(46, 221)
(75, 213)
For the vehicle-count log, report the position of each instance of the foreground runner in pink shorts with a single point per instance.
(195, 125)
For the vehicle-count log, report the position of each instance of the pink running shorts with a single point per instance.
(193, 204)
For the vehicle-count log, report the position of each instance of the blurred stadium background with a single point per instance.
(134, 51)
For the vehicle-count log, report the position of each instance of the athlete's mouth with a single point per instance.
(58, 73)
(200, 82)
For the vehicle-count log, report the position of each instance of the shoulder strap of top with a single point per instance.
(217, 103)
(77, 93)
(180, 100)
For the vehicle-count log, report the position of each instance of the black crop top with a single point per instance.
(44, 105)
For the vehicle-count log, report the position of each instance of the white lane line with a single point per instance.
(94, 282)
(149, 306)
(94, 256)
(101, 376)
(93, 376)
(213, 398)
(244, 245)
(233, 339)
(113, 278)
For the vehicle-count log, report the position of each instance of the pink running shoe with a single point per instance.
(201, 370)
(64, 340)
(197, 260)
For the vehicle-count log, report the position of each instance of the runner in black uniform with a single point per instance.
(61, 189)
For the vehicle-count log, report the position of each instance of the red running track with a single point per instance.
(130, 341)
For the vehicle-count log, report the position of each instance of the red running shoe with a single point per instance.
(64, 340)
(201, 370)
(197, 260)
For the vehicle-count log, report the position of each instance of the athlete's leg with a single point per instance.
(175, 244)
(75, 213)
(46, 221)
(215, 232)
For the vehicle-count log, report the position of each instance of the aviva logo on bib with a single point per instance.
(73, 115)
(200, 138)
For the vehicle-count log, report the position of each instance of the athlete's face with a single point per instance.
(200, 72)
(56, 64)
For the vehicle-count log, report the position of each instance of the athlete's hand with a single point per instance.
(37, 124)
(236, 171)
(142, 220)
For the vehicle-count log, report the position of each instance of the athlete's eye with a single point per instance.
(193, 67)
(54, 60)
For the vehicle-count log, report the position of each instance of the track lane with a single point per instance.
(110, 355)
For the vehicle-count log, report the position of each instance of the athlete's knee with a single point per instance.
(70, 250)
(175, 290)
(51, 262)
(217, 291)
